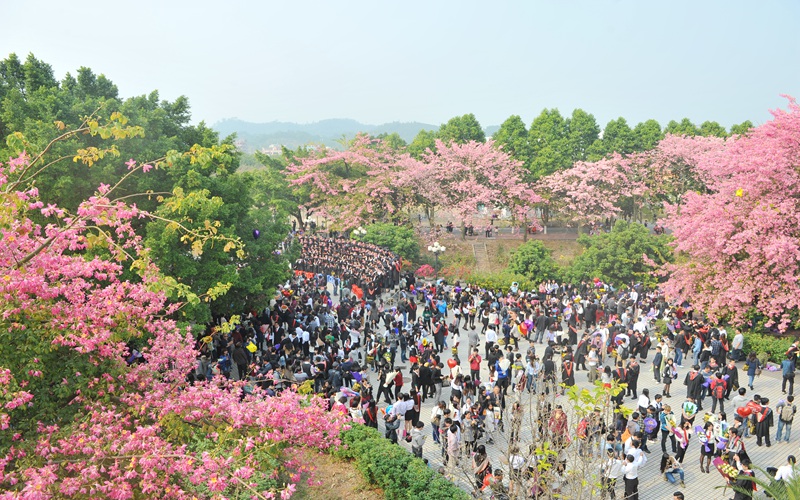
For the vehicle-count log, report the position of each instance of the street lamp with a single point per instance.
(359, 232)
(436, 249)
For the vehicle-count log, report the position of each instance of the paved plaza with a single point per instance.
(652, 485)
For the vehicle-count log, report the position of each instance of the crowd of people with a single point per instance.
(380, 362)
(366, 265)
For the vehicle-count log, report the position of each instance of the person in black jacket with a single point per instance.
(694, 383)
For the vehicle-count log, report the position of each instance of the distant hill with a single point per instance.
(255, 136)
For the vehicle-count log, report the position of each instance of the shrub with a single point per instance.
(425, 271)
(392, 468)
(773, 347)
(618, 257)
(399, 239)
(534, 260)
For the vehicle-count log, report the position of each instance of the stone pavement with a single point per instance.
(652, 484)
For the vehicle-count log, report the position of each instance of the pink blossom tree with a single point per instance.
(350, 187)
(460, 177)
(742, 237)
(77, 421)
(591, 191)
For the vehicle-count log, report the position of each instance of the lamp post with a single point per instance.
(359, 232)
(436, 249)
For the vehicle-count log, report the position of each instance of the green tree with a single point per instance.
(462, 129)
(617, 138)
(583, 132)
(548, 139)
(424, 141)
(393, 140)
(685, 127)
(618, 257)
(211, 194)
(399, 239)
(742, 128)
(647, 135)
(712, 129)
(534, 261)
(513, 138)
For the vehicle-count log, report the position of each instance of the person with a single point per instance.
(733, 377)
(682, 435)
(787, 367)
(707, 446)
(735, 445)
(474, 360)
(677, 496)
(717, 387)
(631, 474)
(786, 410)
(736, 346)
(743, 484)
(669, 375)
(658, 359)
(453, 445)
(437, 414)
(764, 420)
(740, 401)
(667, 420)
(612, 469)
(786, 472)
(671, 467)
(481, 466)
(494, 484)
(753, 367)
(417, 439)
(694, 384)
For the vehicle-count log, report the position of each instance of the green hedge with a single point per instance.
(393, 469)
(774, 347)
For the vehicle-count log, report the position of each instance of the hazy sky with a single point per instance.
(429, 60)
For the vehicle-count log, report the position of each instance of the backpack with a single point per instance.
(787, 413)
(718, 388)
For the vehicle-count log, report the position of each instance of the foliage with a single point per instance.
(534, 260)
(548, 139)
(399, 239)
(741, 234)
(779, 490)
(353, 186)
(459, 177)
(461, 130)
(629, 253)
(425, 271)
(393, 469)
(774, 347)
(591, 191)
(501, 281)
(194, 182)
(512, 137)
(78, 418)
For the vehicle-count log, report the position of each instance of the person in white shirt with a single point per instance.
(737, 345)
(631, 471)
(612, 470)
(786, 472)
(491, 338)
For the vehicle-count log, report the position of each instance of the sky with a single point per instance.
(427, 61)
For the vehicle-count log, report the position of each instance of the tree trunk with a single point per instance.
(525, 229)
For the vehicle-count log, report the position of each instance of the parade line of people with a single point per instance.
(381, 362)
